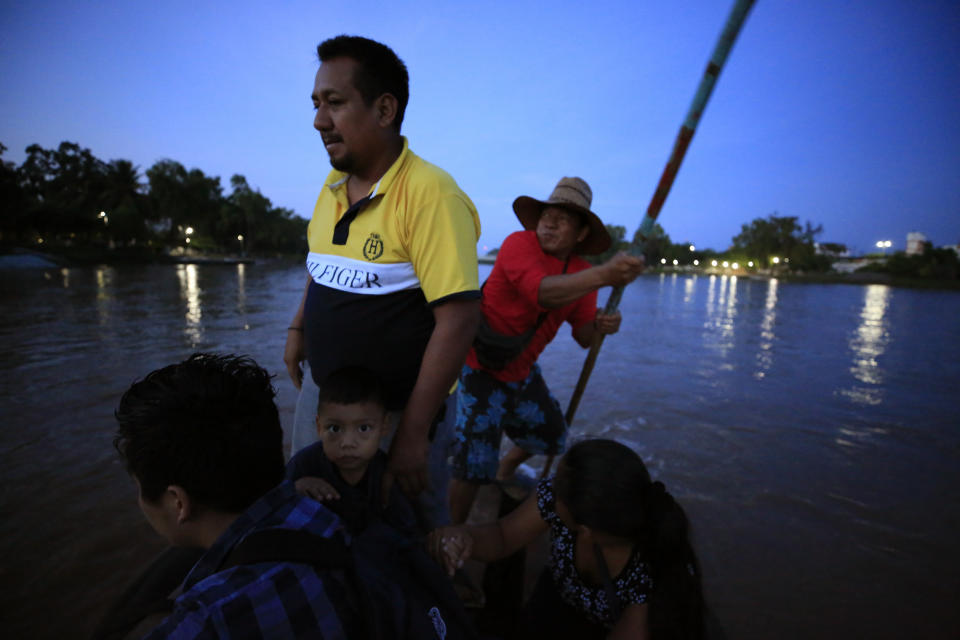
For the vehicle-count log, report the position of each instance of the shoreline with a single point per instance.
(21, 258)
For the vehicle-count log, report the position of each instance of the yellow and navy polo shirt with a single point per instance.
(378, 267)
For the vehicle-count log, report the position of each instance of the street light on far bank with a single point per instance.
(240, 240)
(103, 216)
(692, 248)
(884, 244)
(776, 260)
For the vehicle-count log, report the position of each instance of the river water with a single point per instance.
(810, 431)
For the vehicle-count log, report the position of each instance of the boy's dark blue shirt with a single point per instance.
(360, 504)
(264, 600)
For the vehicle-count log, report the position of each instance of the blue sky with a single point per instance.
(840, 113)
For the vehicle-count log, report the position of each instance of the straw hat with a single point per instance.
(573, 194)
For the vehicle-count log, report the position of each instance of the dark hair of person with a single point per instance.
(378, 70)
(351, 385)
(208, 424)
(606, 487)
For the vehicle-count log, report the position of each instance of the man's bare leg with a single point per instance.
(514, 458)
(461, 494)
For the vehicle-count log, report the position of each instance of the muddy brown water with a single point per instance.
(810, 430)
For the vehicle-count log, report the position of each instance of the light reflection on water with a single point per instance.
(767, 336)
(242, 289)
(721, 313)
(190, 294)
(104, 277)
(867, 344)
(689, 287)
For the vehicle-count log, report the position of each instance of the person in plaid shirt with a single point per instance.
(202, 440)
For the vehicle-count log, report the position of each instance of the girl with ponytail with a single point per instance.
(621, 563)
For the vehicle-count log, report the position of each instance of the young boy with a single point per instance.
(344, 470)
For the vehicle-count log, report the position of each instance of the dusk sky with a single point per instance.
(841, 113)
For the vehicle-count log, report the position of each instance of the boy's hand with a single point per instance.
(316, 488)
(450, 547)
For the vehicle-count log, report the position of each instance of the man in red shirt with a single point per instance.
(538, 281)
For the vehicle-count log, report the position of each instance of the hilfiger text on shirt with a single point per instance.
(359, 276)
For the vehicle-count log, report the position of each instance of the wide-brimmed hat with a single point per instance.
(575, 195)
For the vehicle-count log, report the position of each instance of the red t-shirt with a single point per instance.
(510, 300)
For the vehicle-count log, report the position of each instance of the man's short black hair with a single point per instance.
(379, 70)
(351, 385)
(208, 424)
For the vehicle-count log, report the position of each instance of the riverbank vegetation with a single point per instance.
(66, 201)
(780, 246)
(772, 242)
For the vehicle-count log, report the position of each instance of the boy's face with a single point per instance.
(351, 433)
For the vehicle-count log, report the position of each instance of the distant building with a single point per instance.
(831, 249)
(849, 265)
(915, 243)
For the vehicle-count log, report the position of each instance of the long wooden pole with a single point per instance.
(720, 52)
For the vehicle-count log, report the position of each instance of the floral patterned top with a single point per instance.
(633, 584)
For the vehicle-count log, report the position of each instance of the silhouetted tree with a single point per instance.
(781, 236)
(65, 188)
(168, 203)
(15, 203)
(657, 245)
(182, 199)
(124, 202)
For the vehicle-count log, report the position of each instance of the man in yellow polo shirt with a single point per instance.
(393, 283)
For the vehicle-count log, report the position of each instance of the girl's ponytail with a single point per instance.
(676, 604)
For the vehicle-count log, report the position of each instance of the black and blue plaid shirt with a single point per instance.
(264, 600)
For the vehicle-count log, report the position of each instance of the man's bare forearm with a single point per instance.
(456, 324)
(298, 316)
(293, 353)
(560, 290)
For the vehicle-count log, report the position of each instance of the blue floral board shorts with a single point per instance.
(487, 408)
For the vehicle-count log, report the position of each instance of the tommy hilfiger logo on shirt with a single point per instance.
(373, 247)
